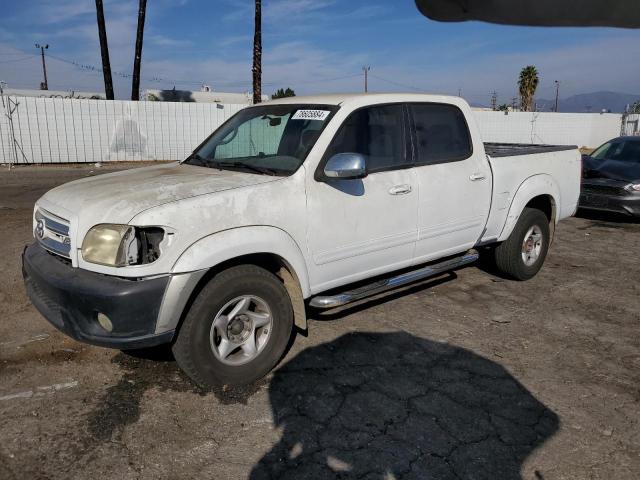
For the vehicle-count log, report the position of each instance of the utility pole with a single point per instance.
(514, 100)
(494, 100)
(104, 50)
(460, 92)
(366, 78)
(43, 85)
(135, 83)
(557, 90)
(257, 53)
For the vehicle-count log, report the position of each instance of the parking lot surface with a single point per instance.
(465, 376)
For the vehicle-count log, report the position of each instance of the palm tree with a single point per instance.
(527, 85)
(104, 50)
(135, 84)
(257, 54)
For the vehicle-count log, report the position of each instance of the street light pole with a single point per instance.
(43, 85)
(557, 89)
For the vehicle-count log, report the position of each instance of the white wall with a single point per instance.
(581, 129)
(61, 130)
(55, 130)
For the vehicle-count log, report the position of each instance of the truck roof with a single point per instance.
(366, 98)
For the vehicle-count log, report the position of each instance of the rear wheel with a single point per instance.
(521, 256)
(237, 328)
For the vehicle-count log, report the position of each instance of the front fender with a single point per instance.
(532, 187)
(219, 247)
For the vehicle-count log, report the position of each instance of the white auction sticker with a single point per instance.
(311, 115)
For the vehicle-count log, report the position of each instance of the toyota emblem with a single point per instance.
(40, 229)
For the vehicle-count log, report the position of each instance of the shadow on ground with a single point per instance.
(153, 368)
(609, 219)
(390, 405)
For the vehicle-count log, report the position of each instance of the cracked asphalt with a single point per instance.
(467, 376)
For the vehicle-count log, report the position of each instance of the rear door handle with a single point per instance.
(476, 176)
(400, 189)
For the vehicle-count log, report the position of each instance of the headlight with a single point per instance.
(633, 187)
(121, 245)
(113, 245)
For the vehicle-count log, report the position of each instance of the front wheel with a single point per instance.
(521, 256)
(237, 329)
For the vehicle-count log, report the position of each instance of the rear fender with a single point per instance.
(529, 189)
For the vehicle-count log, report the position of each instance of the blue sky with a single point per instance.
(310, 45)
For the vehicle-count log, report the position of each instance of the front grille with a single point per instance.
(603, 190)
(52, 232)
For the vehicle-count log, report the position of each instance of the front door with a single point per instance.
(454, 182)
(360, 228)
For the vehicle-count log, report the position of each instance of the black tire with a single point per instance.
(192, 348)
(508, 255)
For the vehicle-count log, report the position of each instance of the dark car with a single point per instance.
(611, 177)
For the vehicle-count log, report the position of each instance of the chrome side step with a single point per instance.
(330, 301)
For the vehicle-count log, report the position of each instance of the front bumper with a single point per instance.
(71, 298)
(627, 204)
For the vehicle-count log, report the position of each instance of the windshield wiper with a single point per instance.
(246, 166)
(198, 157)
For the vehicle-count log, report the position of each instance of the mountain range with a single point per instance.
(614, 102)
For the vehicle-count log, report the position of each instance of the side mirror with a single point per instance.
(346, 166)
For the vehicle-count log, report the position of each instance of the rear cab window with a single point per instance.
(441, 133)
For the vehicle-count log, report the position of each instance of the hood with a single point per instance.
(612, 169)
(117, 197)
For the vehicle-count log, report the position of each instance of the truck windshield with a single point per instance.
(267, 139)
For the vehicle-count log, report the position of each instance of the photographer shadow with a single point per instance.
(392, 405)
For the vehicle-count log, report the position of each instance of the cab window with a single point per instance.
(375, 132)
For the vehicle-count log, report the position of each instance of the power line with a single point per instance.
(18, 59)
(9, 54)
(396, 83)
(159, 79)
(242, 83)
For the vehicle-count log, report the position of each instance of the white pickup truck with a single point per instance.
(302, 201)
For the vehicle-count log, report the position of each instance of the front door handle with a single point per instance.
(476, 176)
(400, 190)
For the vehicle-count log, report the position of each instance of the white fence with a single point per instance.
(57, 130)
(581, 129)
(631, 124)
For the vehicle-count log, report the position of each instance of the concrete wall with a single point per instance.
(61, 130)
(581, 129)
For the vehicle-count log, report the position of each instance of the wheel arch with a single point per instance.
(268, 247)
(540, 192)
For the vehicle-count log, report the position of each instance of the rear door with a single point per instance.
(359, 228)
(454, 181)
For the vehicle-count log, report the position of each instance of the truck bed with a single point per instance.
(513, 149)
(556, 168)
